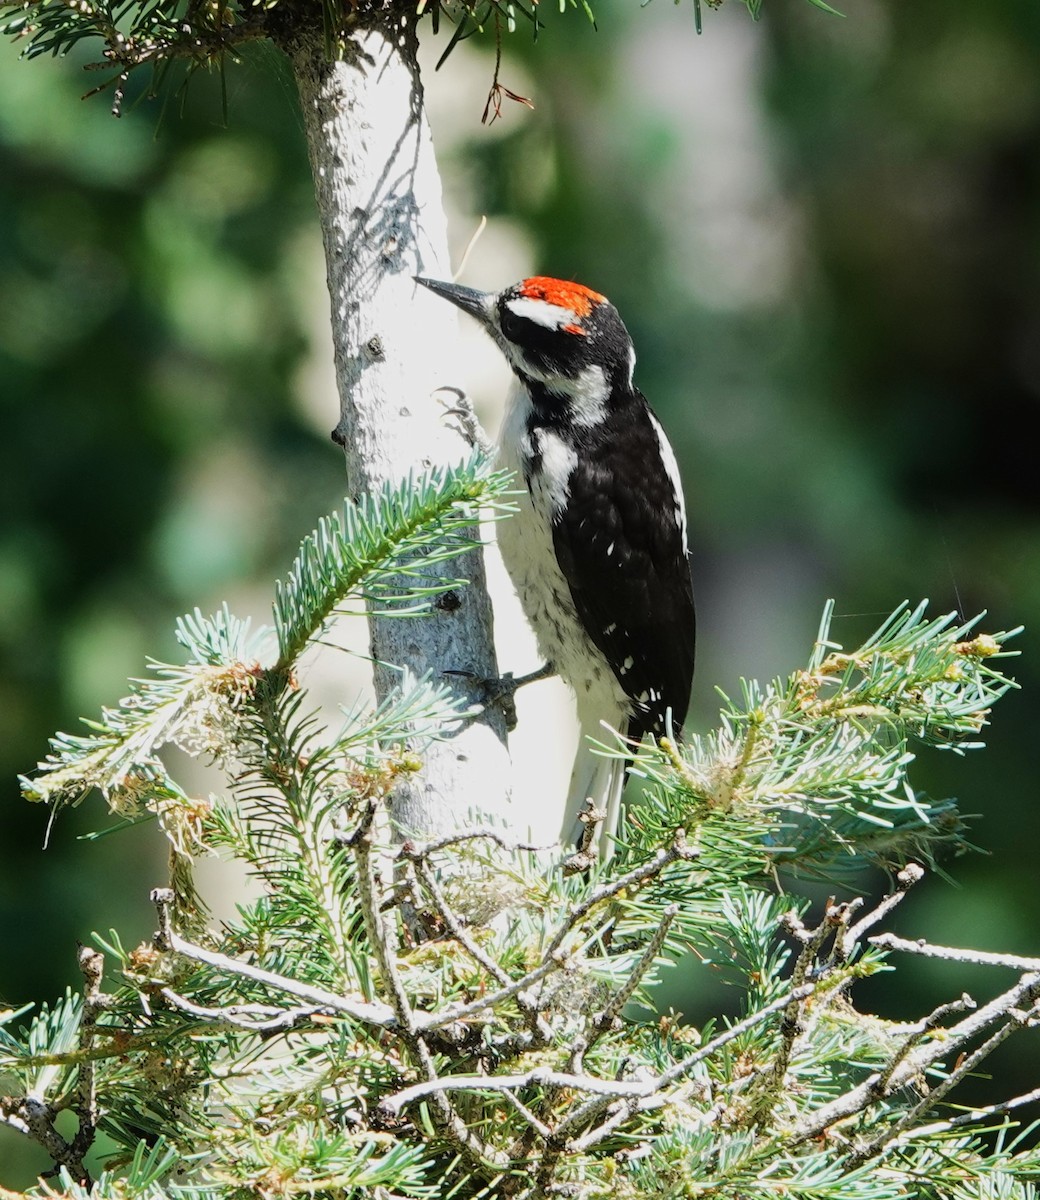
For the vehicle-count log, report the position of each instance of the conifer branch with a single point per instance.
(390, 547)
(383, 548)
(502, 1053)
(913, 1064)
(1016, 962)
(210, 35)
(828, 751)
(367, 1012)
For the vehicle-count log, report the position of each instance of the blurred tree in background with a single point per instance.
(823, 233)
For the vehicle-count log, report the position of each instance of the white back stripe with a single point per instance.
(672, 471)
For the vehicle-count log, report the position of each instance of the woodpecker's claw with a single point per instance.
(501, 692)
(458, 411)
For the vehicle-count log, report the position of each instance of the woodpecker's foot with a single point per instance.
(458, 411)
(501, 692)
(509, 684)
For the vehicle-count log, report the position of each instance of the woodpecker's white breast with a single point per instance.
(526, 542)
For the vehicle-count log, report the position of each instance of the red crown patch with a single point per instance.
(575, 296)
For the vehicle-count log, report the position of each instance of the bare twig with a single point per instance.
(539, 1077)
(1016, 962)
(905, 880)
(637, 1094)
(609, 1017)
(968, 1118)
(618, 1113)
(92, 967)
(253, 1018)
(812, 940)
(685, 1065)
(33, 1116)
(773, 1075)
(454, 926)
(473, 239)
(631, 879)
(412, 850)
(882, 1084)
(366, 1012)
(535, 1122)
(377, 922)
(493, 107)
(586, 855)
(463, 1012)
(964, 1068)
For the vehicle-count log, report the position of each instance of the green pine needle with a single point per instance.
(391, 548)
(388, 547)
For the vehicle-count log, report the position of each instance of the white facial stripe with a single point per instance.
(672, 470)
(551, 316)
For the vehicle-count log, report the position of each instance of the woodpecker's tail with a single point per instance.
(601, 778)
(598, 778)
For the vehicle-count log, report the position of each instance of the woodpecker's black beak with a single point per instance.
(477, 304)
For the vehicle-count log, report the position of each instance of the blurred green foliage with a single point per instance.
(851, 409)
(153, 455)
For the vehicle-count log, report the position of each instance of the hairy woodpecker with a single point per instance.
(597, 552)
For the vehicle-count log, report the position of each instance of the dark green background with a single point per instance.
(863, 432)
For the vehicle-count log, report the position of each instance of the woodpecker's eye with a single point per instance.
(541, 337)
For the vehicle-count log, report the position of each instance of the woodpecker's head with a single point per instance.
(556, 333)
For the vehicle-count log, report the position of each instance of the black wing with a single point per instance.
(620, 545)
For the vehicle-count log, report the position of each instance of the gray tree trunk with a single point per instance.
(379, 202)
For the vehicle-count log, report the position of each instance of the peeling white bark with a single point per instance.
(379, 202)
